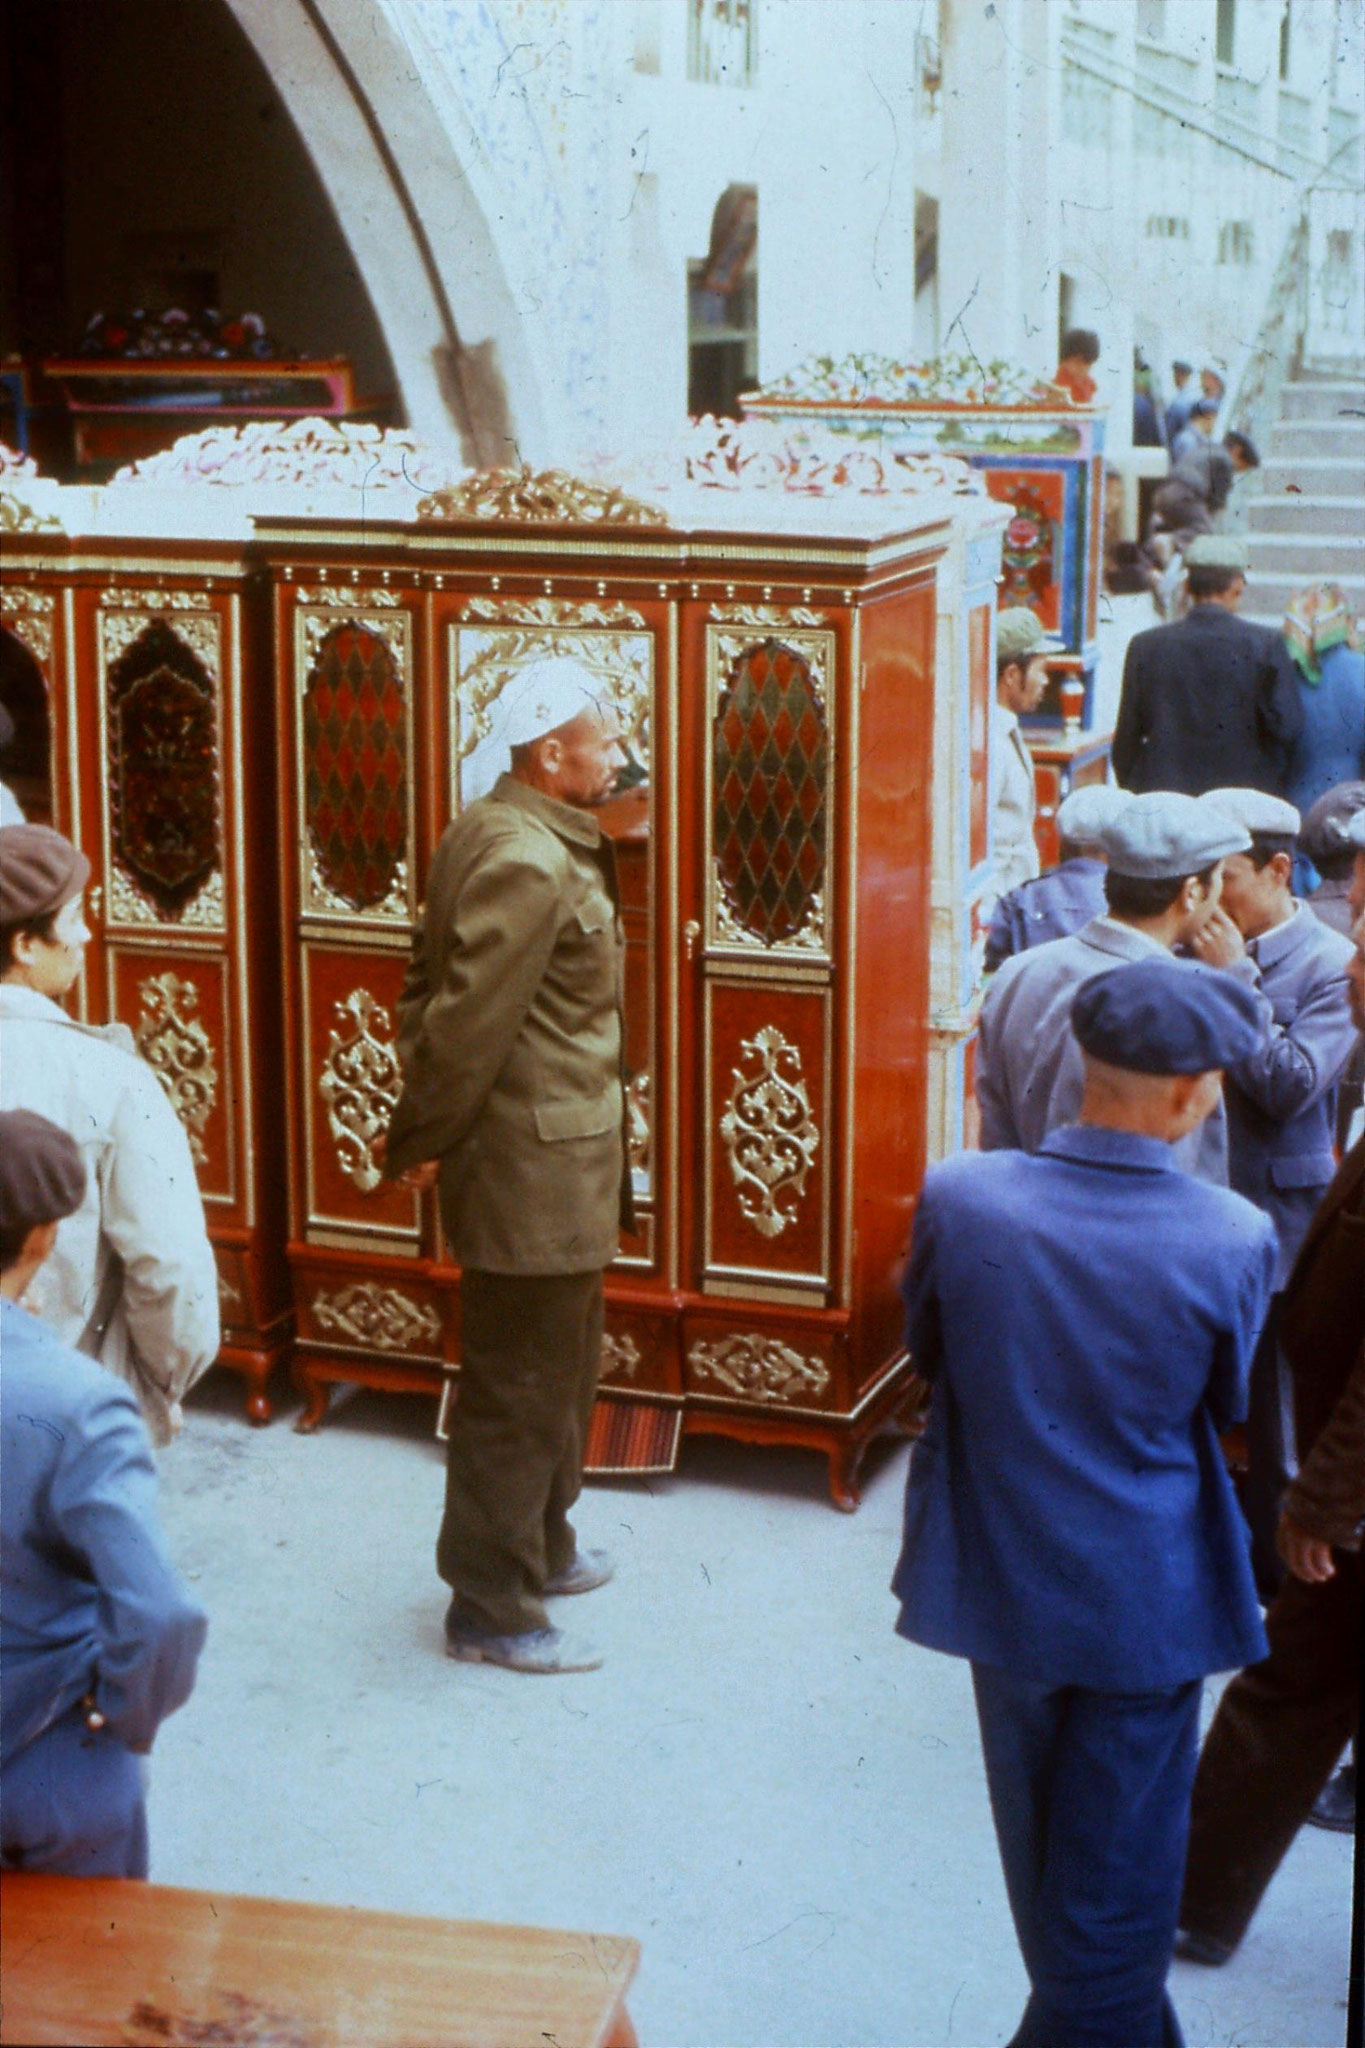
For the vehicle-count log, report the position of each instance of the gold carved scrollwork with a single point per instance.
(808, 938)
(620, 1358)
(382, 1317)
(126, 613)
(179, 1050)
(765, 615)
(349, 611)
(321, 895)
(360, 1083)
(551, 611)
(344, 596)
(28, 614)
(18, 516)
(155, 601)
(519, 497)
(229, 1297)
(768, 1131)
(758, 1368)
(128, 905)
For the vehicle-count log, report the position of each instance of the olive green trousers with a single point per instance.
(530, 1350)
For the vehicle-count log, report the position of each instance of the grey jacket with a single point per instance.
(1281, 1101)
(1030, 1073)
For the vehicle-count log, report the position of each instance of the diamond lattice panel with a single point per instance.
(771, 768)
(355, 795)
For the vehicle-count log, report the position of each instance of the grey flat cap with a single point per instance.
(1161, 835)
(1083, 816)
(1256, 811)
(1217, 551)
(1019, 634)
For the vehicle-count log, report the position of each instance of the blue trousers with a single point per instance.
(73, 1802)
(1090, 1792)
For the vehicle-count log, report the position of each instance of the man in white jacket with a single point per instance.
(132, 1280)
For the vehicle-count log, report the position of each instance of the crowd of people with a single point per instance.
(1154, 1247)
(1192, 972)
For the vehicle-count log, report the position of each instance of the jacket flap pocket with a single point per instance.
(594, 915)
(1303, 1170)
(589, 1117)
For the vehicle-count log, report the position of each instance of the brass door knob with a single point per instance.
(691, 933)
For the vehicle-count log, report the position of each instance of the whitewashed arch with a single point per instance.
(415, 197)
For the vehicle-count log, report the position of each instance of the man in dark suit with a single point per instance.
(1086, 1315)
(1281, 1725)
(1211, 701)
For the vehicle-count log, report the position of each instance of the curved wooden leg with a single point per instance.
(314, 1390)
(257, 1376)
(844, 1460)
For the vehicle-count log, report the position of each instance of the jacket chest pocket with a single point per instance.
(590, 949)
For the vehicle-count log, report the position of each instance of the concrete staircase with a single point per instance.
(1307, 522)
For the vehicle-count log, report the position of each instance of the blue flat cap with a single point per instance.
(1166, 1016)
(1161, 835)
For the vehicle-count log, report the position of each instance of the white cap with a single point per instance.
(1256, 811)
(543, 696)
(1083, 816)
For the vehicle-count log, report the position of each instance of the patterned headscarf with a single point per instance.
(1318, 618)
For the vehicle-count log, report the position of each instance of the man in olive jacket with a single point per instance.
(509, 1031)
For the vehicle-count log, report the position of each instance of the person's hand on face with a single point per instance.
(1217, 941)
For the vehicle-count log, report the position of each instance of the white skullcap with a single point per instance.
(1255, 811)
(1083, 816)
(543, 696)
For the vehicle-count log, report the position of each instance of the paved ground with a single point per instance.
(778, 1797)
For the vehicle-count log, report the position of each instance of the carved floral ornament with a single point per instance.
(620, 1358)
(360, 1082)
(768, 1131)
(180, 1052)
(551, 611)
(758, 1368)
(519, 497)
(28, 614)
(382, 1317)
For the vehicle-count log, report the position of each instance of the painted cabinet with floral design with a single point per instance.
(784, 695)
(150, 718)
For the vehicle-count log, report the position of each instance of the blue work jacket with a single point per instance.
(1281, 1099)
(89, 1599)
(1087, 1316)
(1049, 907)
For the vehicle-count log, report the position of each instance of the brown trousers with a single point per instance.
(530, 1350)
(1278, 1731)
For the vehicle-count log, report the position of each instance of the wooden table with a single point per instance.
(105, 1960)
